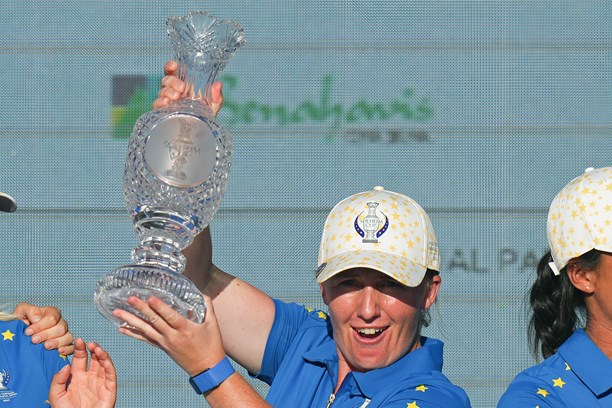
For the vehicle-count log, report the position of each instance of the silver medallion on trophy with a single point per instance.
(176, 172)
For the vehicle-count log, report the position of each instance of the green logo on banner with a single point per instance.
(134, 95)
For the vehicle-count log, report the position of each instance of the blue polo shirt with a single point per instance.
(26, 369)
(301, 366)
(579, 374)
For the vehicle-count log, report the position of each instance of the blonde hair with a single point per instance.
(5, 316)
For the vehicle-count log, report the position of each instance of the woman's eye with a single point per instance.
(391, 283)
(348, 282)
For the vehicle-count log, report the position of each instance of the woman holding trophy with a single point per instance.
(367, 351)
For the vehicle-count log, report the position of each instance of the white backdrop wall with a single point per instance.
(479, 110)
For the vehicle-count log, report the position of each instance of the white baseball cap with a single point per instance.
(580, 217)
(380, 230)
(7, 203)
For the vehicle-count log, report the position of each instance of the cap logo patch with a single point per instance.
(372, 226)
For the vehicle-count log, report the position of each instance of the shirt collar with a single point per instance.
(580, 353)
(426, 358)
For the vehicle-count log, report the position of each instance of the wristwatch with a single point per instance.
(212, 377)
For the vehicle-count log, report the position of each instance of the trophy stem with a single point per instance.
(164, 227)
(160, 252)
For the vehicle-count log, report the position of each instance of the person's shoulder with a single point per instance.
(532, 385)
(317, 316)
(311, 316)
(433, 391)
(13, 330)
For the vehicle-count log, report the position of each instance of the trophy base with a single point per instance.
(144, 281)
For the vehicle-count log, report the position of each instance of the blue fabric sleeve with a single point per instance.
(50, 360)
(288, 320)
(522, 393)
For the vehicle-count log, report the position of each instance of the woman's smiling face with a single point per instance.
(375, 319)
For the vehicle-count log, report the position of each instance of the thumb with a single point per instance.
(59, 384)
(217, 97)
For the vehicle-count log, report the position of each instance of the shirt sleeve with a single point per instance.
(50, 360)
(288, 320)
(433, 393)
(525, 392)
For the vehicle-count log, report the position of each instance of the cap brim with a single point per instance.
(7, 203)
(401, 269)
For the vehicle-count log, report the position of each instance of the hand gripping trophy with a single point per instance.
(176, 171)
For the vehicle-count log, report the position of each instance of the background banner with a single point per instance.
(479, 110)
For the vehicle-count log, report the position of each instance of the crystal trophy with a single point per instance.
(176, 172)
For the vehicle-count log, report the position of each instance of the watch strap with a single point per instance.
(212, 377)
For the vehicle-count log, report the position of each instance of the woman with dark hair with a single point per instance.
(571, 302)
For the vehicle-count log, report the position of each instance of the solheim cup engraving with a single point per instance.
(176, 172)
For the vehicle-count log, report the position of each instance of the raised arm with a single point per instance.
(245, 313)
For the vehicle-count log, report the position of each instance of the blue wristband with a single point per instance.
(212, 377)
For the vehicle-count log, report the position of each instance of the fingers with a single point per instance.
(66, 350)
(94, 362)
(63, 344)
(170, 68)
(132, 322)
(104, 365)
(55, 336)
(172, 83)
(79, 361)
(158, 317)
(172, 88)
(169, 316)
(217, 97)
(47, 325)
(135, 326)
(59, 384)
(28, 313)
(162, 321)
(210, 311)
(136, 334)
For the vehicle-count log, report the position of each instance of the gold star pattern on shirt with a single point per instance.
(8, 335)
(412, 405)
(322, 315)
(558, 382)
(421, 388)
(567, 367)
(542, 392)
